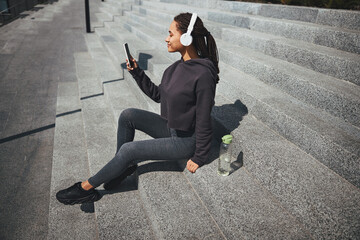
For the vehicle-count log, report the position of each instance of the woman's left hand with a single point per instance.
(191, 166)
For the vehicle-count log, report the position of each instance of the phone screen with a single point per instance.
(128, 55)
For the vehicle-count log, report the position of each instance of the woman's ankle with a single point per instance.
(86, 185)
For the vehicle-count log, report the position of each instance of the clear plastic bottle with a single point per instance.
(225, 156)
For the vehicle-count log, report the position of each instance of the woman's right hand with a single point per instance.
(128, 64)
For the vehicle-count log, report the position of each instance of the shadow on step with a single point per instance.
(142, 61)
(131, 182)
(226, 118)
(87, 207)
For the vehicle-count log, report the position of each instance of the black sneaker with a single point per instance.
(112, 184)
(76, 195)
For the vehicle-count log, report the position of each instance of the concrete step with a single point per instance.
(99, 18)
(321, 59)
(119, 211)
(124, 203)
(174, 8)
(105, 68)
(122, 5)
(112, 10)
(104, 15)
(284, 110)
(152, 22)
(160, 21)
(315, 200)
(242, 208)
(69, 165)
(110, 41)
(334, 142)
(144, 102)
(175, 210)
(320, 196)
(152, 38)
(339, 98)
(157, 209)
(166, 212)
(155, 195)
(117, 8)
(329, 61)
(342, 39)
(113, 44)
(326, 204)
(334, 37)
(330, 17)
(89, 80)
(108, 54)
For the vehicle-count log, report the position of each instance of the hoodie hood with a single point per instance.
(198, 63)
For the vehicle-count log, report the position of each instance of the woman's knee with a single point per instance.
(127, 114)
(127, 152)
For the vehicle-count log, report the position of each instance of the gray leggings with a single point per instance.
(168, 144)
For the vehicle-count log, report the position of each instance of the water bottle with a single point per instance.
(225, 156)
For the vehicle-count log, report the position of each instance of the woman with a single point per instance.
(182, 131)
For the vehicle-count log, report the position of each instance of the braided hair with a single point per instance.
(203, 41)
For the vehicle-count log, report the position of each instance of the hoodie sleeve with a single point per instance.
(205, 93)
(145, 84)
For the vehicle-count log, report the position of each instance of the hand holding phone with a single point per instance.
(128, 55)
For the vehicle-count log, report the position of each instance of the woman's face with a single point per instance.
(173, 40)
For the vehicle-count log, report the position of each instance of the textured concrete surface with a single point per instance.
(118, 56)
(281, 152)
(342, 39)
(36, 53)
(88, 78)
(345, 19)
(330, 17)
(25, 173)
(327, 205)
(172, 205)
(119, 213)
(104, 66)
(338, 98)
(346, 167)
(334, 143)
(283, 188)
(321, 59)
(325, 60)
(240, 205)
(70, 165)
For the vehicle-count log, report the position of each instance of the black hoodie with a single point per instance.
(186, 94)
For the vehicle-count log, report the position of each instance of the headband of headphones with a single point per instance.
(192, 23)
(186, 38)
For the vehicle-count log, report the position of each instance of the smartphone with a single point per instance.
(128, 55)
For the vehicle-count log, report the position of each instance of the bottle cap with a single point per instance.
(227, 139)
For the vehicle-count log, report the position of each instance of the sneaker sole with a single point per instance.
(87, 199)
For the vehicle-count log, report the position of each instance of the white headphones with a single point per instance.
(186, 38)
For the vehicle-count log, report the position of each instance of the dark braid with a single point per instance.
(205, 49)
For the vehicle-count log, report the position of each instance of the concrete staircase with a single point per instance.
(289, 93)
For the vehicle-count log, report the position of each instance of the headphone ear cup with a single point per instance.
(186, 39)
